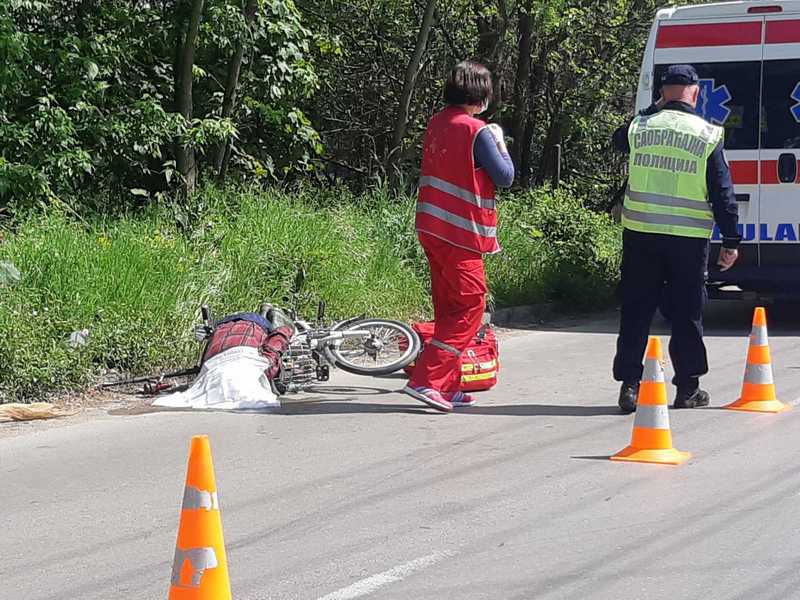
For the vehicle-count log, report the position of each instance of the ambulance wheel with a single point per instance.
(385, 347)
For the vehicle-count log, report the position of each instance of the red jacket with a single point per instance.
(233, 334)
(456, 201)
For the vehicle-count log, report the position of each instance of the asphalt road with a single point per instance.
(357, 491)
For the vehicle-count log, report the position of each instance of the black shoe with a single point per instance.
(693, 399)
(628, 394)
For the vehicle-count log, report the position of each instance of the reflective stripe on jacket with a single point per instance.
(667, 189)
(456, 201)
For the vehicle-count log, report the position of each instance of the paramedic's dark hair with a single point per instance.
(468, 83)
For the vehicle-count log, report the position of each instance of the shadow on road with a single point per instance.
(398, 375)
(348, 406)
(329, 400)
(603, 457)
(724, 318)
(540, 410)
(335, 390)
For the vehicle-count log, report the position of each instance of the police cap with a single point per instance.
(679, 75)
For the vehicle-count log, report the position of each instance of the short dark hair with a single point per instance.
(468, 83)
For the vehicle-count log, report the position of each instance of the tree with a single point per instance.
(521, 83)
(559, 67)
(409, 83)
(188, 17)
(232, 83)
(102, 103)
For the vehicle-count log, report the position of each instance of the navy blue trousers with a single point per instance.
(669, 271)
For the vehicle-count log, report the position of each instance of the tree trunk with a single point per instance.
(526, 161)
(548, 163)
(231, 86)
(409, 83)
(187, 39)
(534, 88)
(521, 84)
(491, 49)
(491, 34)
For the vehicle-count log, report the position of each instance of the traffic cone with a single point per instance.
(200, 568)
(652, 440)
(758, 388)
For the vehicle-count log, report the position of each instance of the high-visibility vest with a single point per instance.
(667, 191)
(456, 201)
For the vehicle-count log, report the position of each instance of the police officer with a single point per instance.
(679, 184)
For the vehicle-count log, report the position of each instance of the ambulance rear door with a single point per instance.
(726, 51)
(780, 146)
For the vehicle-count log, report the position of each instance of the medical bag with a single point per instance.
(479, 363)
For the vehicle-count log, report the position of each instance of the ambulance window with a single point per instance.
(728, 97)
(781, 104)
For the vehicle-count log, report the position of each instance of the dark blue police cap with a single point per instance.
(679, 75)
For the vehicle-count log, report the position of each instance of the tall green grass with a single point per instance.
(136, 282)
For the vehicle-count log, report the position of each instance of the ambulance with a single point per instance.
(747, 55)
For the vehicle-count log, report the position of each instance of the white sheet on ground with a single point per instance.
(232, 380)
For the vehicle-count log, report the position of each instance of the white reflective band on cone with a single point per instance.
(653, 371)
(194, 498)
(652, 416)
(445, 347)
(200, 559)
(759, 337)
(761, 374)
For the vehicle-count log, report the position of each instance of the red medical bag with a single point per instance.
(480, 362)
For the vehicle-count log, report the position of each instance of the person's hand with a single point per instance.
(616, 213)
(497, 133)
(727, 256)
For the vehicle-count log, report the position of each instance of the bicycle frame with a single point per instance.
(329, 336)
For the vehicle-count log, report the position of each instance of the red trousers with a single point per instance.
(459, 291)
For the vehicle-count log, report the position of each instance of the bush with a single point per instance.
(555, 249)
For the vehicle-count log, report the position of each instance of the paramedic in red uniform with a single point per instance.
(463, 160)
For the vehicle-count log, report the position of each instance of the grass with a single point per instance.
(136, 282)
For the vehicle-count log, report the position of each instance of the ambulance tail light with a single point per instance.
(758, 10)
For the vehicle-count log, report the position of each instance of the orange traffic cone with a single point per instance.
(758, 388)
(200, 568)
(652, 439)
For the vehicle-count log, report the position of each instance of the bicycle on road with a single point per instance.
(359, 345)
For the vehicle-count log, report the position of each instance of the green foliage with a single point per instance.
(556, 250)
(87, 96)
(585, 59)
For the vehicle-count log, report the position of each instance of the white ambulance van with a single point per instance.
(747, 55)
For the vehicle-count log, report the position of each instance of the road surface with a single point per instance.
(357, 491)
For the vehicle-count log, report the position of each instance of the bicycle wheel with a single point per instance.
(388, 346)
